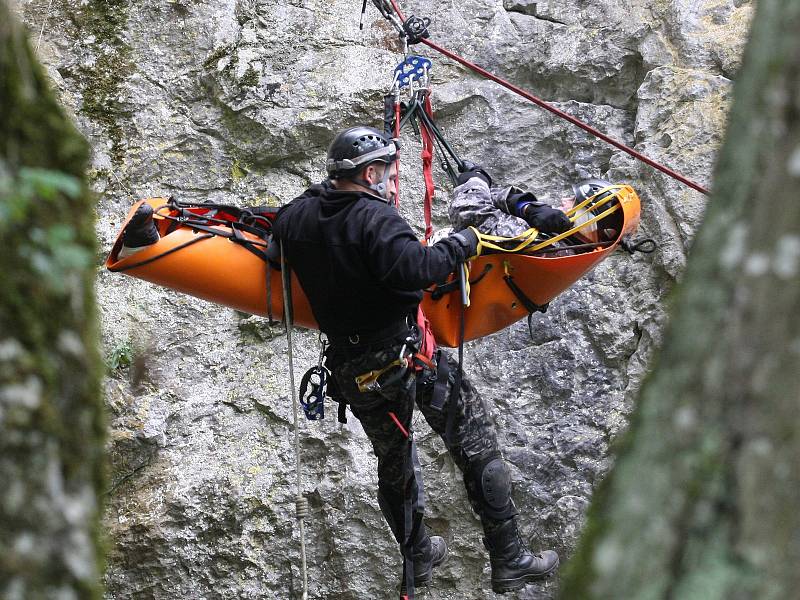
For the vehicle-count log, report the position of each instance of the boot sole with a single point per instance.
(501, 586)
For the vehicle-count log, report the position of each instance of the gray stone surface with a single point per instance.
(236, 102)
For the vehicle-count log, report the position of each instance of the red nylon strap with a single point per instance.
(427, 168)
(422, 362)
(397, 115)
(559, 113)
(399, 424)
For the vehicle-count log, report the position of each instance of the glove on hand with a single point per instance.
(469, 170)
(537, 214)
(546, 218)
(469, 242)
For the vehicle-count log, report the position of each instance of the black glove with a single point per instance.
(545, 218)
(469, 170)
(542, 216)
(468, 240)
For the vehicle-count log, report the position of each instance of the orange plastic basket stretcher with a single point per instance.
(215, 268)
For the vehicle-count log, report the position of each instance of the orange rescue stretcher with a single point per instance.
(218, 253)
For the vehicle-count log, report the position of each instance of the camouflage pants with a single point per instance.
(472, 431)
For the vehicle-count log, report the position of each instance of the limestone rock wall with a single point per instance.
(236, 101)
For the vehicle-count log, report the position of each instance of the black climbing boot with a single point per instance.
(140, 230)
(428, 554)
(513, 565)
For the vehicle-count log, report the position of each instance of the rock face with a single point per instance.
(236, 102)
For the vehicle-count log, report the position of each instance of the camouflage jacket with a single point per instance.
(475, 204)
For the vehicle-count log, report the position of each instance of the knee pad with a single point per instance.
(491, 482)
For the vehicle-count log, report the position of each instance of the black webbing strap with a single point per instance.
(412, 511)
(445, 288)
(440, 387)
(529, 304)
(239, 238)
(234, 235)
(228, 208)
(269, 292)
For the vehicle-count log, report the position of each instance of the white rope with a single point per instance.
(301, 503)
(44, 22)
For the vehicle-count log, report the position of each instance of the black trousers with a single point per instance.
(472, 433)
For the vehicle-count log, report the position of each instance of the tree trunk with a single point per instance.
(702, 501)
(51, 425)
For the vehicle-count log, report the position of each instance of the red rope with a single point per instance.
(397, 115)
(427, 169)
(557, 112)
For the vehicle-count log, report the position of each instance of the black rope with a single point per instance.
(437, 133)
(363, 10)
(409, 113)
(587, 246)
(445, 163)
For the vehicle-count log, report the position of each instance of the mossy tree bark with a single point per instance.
(702, 501)
(51, 424)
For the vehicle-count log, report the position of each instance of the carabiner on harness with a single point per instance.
(368, 382)
(313, 386)
(312, 393)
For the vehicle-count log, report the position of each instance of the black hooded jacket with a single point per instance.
(359, 263)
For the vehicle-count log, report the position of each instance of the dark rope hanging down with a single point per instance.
(415, 35)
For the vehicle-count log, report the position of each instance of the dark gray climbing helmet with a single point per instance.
(354, 148)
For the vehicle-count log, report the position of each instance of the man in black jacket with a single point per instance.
(363, 271)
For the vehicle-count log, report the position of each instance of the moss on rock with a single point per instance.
(101, 24)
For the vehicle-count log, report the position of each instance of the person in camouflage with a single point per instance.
(363, 271)
(509, 212)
